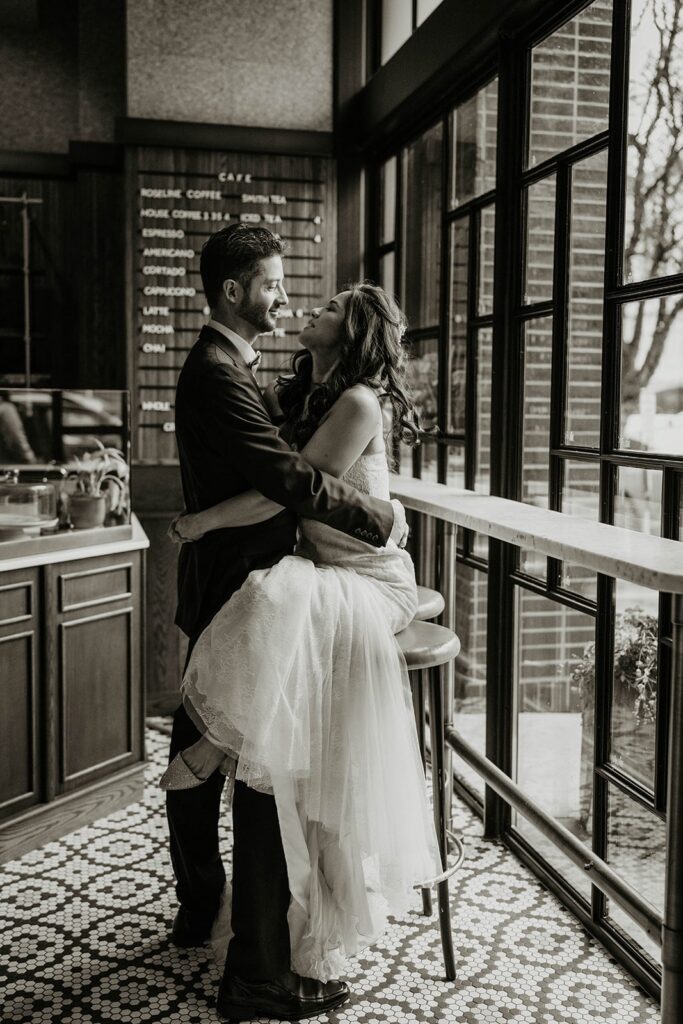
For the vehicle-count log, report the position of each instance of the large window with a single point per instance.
(543, 281)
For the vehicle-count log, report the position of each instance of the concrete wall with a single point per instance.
(61, 73)
(265, 63)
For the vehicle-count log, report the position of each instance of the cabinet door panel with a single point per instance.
(96, 669)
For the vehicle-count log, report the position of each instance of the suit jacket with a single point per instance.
(227, 444)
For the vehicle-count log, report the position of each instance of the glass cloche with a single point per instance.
(25, 506)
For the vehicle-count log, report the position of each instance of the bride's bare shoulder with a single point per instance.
(360, 398)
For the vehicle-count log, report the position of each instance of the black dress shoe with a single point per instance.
(188, 931)
(290, 997)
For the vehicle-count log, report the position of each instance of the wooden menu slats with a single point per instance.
(177, 198)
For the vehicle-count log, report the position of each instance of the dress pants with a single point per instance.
(259, 949)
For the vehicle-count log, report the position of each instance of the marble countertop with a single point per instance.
(72, 545)
(624, 554)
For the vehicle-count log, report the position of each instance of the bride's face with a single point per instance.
(323, 332)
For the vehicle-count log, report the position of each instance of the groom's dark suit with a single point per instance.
(228, 444)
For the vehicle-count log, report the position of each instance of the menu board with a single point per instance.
(180, 197)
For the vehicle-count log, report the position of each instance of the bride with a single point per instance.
(298, 685)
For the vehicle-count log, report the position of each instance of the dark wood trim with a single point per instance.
(44, 824)
(105, 156)
(101, 156)
(141, 131)
(454, 49)
(34, 165)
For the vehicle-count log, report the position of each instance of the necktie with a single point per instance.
(255, 363)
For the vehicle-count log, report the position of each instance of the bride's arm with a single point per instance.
(340, 439)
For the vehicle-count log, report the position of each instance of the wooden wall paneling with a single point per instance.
(158, 495)
(77, 280)
(21, 749)
(100, 266)
(177, 199)
(166, 644)
(53, 334)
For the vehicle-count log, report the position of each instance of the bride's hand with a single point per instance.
(184, 528)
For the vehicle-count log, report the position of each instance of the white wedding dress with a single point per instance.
(299, 677)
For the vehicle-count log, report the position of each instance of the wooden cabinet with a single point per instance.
(71, 680)
(22, 765)
(95, 672)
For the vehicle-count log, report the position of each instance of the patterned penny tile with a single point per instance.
(84, 940)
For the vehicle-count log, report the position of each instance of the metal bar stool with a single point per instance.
(427, 648)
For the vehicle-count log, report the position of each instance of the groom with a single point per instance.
(228, 444)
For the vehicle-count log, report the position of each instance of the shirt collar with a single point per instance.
(242, 346)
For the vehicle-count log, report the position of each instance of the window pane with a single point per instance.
(634, 690)
(581, 489)
(484, 374)
(540, 241)
(397, 26)
(554, 726)
(636, 846)
(422, 372)
(425, 8)
(533, 563)
(654, 186)
(388, 200)
(421, 205)
(638, 500)
(570, 83)
(580, 497)
(473, 134)
(460, 234)
(404, 462)
(487, 230)
(387, 274)
(470, 669)
(652, 375)
(425, 454)
(586, 269)
(456, 466)
(536, 416)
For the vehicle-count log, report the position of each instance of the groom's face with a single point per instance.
(264, 295)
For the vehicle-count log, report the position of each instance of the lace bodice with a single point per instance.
(370, 474)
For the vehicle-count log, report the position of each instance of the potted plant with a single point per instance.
(100, 481)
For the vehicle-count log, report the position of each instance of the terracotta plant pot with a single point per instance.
(87, 511)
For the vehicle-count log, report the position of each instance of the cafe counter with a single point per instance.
(72, 674)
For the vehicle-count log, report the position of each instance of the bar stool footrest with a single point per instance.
(451, 869)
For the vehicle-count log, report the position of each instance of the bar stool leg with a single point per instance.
(436, 723)
(417, 687)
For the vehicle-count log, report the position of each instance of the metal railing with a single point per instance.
(614, 552)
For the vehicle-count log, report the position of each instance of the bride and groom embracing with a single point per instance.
(295, 690)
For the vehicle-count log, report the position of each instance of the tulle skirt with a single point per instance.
(299, 677)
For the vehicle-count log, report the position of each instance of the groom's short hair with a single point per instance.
(234, 253)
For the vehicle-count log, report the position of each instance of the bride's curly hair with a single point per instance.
(372, 353)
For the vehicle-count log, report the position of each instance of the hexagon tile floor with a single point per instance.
(84, 923)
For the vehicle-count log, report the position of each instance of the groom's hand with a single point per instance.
(400, 530)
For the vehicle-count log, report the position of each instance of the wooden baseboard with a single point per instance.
(51, 821)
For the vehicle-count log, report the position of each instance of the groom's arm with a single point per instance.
(230, 411)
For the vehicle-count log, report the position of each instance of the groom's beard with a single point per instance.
(256, 315)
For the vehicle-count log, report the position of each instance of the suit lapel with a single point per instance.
(230, 354)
